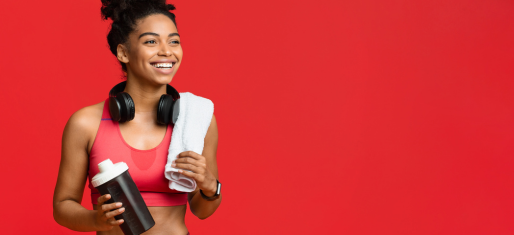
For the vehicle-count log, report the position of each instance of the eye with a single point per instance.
(176, 42)
(149, 41)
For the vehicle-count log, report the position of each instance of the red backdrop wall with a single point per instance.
(336, 117)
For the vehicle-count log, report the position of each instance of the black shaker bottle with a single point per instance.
(115, 179)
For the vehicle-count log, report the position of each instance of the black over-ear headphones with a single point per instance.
(121, 105)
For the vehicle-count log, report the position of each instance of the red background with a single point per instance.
(336, 117)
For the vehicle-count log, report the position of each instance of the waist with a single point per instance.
(168, 220)
(155, 198)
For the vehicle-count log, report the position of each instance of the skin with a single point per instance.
(145, 85)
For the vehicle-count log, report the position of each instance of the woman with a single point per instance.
(145, 40)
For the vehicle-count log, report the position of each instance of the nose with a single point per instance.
(164, 50)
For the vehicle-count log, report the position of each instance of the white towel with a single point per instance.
(189, 132)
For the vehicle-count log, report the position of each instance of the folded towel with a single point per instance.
(189, 132)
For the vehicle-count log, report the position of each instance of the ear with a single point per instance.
(122, 53)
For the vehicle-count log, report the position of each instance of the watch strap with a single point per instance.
(216, 195)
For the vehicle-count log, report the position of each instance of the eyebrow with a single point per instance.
(154, 34)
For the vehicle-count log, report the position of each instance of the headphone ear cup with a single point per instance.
(164, 109)
(114, 109)
(126, 107)
(176, 103)
(175, 111)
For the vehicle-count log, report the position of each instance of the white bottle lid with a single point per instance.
(108, 171)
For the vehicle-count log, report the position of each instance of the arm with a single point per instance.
(205, 172)
(199, 206)
(67, 210)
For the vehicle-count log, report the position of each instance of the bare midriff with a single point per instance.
(169, 220)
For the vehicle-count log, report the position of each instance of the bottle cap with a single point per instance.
(108, 171)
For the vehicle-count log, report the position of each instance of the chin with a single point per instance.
(155, 78)
(163, 80)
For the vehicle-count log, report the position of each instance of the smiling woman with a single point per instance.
(145, 39)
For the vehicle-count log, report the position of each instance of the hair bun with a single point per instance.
(170, 7)
(113, 8)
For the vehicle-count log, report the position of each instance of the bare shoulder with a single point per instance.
(84, 118)
(84, 123)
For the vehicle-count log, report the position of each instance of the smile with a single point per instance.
(163, 65)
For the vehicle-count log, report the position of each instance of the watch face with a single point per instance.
(219, 189)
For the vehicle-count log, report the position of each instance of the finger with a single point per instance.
(186, 166)
(116, 222)
(103, 198)
(190, 167)
(198, 163)
(189, 160)
(111, 206)
(113, 213)
(191, 175)
(190, 154)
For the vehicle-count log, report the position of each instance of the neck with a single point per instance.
(145, 96)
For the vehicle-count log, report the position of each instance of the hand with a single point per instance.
(195, 162)
(104, 218)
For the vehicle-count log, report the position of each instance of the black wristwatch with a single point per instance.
(216, 195)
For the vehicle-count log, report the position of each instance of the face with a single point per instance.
(155, 52)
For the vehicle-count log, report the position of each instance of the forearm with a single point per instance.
(74, 216)
(202, 208)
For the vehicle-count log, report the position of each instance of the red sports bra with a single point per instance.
(145, 166)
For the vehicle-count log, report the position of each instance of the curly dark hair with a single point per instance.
(125, 14)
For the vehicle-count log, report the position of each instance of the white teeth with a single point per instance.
(163, 65)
